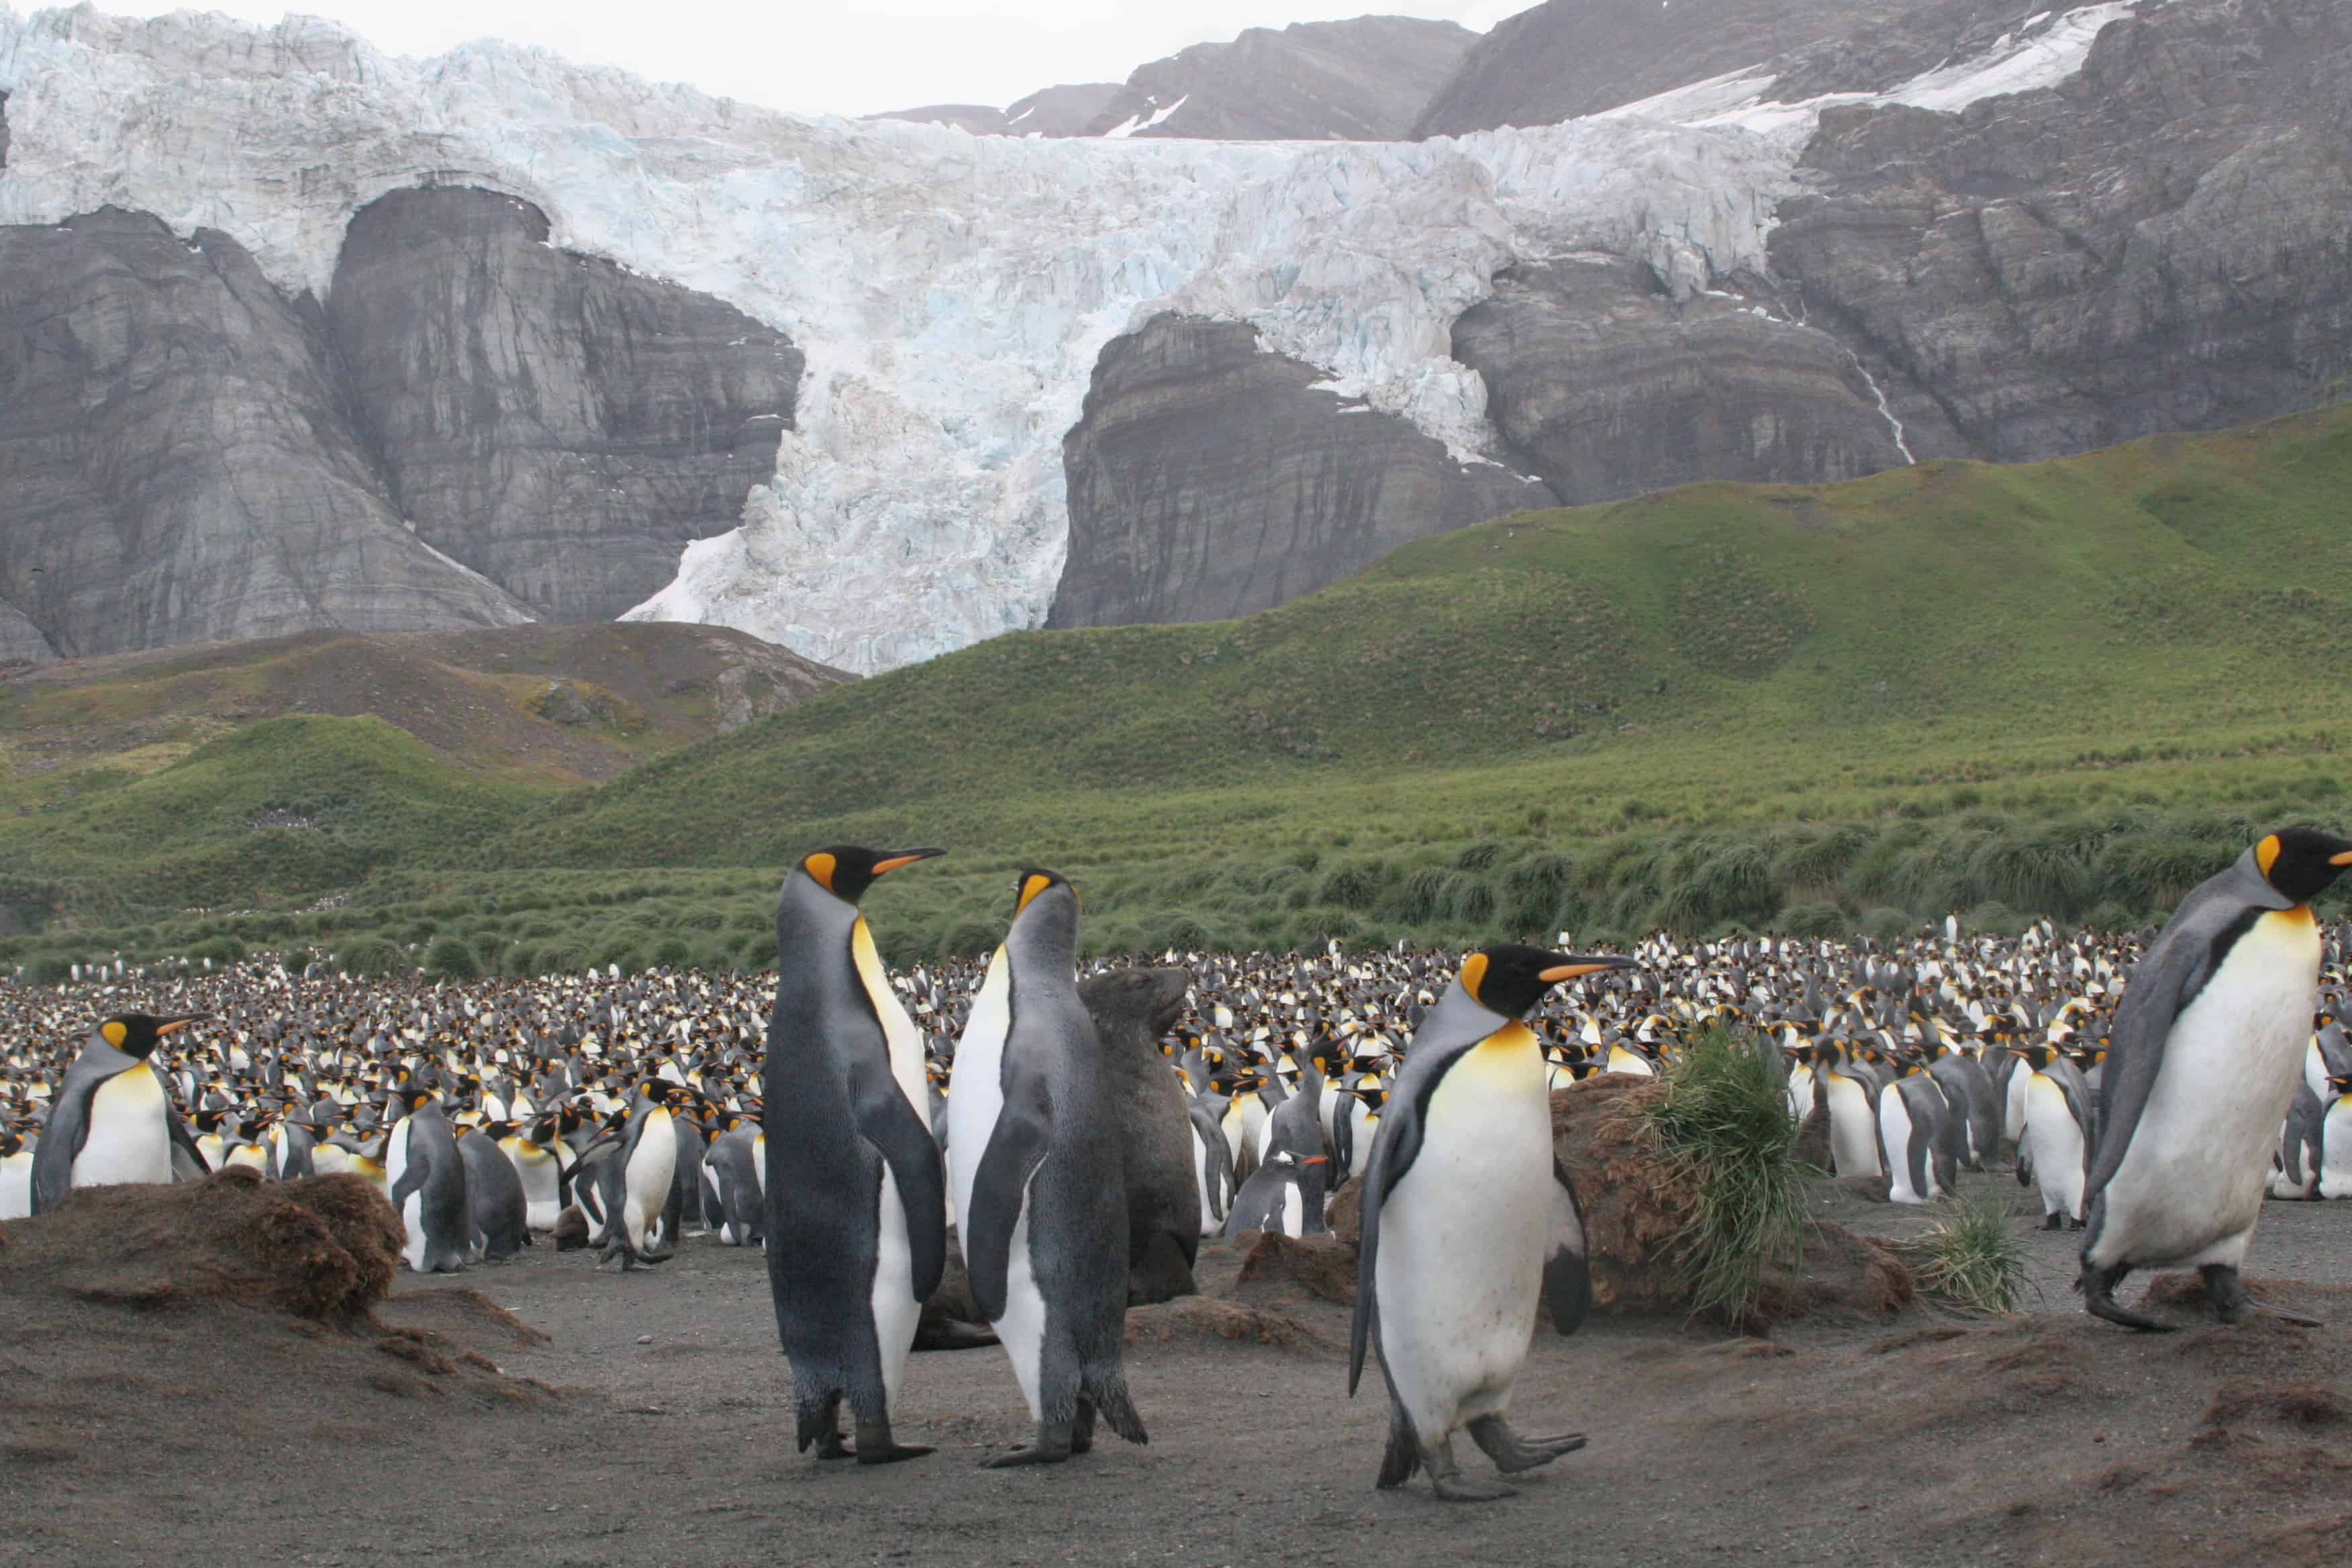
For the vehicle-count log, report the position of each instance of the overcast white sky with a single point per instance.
(845, 56)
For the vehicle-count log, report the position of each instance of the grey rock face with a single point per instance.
(176, 465)
(1209, 479)
(1569, 57)
(1605, 385)
(1052, 111)
(557, 423)
(1365, 79)
(2162, 242)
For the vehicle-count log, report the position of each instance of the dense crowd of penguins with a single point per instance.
(1924, 1057)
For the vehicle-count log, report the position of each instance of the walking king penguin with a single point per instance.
(857, 1201)
(112, 1119)
(1040, 1200)
(2207, 1049)
(1467, 1218)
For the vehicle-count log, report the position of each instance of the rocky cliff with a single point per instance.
(557, 423)
(1367, 80)
(1604, 383)
(2163, 242)
(1209, 479)
(478, 430)
(176, 459)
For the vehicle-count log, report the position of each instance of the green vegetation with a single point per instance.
(1724, 1123)
(2072, 688)
(1973, 1255)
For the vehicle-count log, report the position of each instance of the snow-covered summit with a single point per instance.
(951, 292)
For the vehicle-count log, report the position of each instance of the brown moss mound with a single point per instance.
(1637, 1206)
(324, 1247)
(1203, 1319)
(1279, 1270)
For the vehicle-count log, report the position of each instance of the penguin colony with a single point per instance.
(810, 1113)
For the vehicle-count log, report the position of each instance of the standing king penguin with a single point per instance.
(1467, 1220)
(1040, 1196)
(2208, 1049)
(112, 1119)
(855, 1197)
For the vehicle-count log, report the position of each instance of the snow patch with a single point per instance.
(950, 293)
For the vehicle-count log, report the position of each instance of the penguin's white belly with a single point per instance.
(330, 1159)
(895, 1307)
(2013, 1101)
(129, 1140)
(17, 1186)
(899, 1031)
(1894, 1135)
(541, 1191)
(2191, 1180)
(1264, 1139)
(1801, 1092)
(1022, 1329)
(1292, 1221)
(2336, 1151)
(653, 1170)
(1854, 1133)
(412, 1215)
(2056, 1140)
(1203, 1180)
(1462, 1242)
(976, 1086)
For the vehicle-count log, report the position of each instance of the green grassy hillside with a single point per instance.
(2067, 688)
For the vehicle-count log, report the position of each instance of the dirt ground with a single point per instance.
(645, 1418)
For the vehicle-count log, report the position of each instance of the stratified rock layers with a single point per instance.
(1208, 479)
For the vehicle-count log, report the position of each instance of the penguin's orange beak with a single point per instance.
(2343, 860)
(891, 862)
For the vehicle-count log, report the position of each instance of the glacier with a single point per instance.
(951, 292)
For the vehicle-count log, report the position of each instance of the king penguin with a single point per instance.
(1468, 1219)
(112, 1119)
(1038, 1192)
(428, 1183)
(857, 1207)
(2207, 1046)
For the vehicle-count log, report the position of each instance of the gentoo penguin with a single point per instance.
(1467, 1220)
(1037, 1197)
(112, 1119)
(857, 1216)
(1131, 1009)
(2206, 1047)
(427, 1181)
(2055, 1151)
(494, 1194)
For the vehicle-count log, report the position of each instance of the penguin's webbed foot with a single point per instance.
(1459, 1488)
(2098, 1288)
(876, 1445)
(2231, 1303)
(1513, 1454)
(2053, 1220)
(1054, 1445)
(1082, 1428)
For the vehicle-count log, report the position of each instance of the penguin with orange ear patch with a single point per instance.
(2207, 1051)
(112, 1119)
(856, 1196)
(1468, 1221)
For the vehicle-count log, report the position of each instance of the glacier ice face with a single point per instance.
(951, 292)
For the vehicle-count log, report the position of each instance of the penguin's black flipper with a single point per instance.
(1016, 1146)
(1568, 1275)
(885, 1121)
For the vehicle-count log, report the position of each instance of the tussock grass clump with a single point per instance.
(1723, 1119)
(1972, 1256)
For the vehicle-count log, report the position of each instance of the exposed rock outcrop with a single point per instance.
(1604, 384)
(2162, 242)
(1208, 479)
(1065, 110)
(1366, 79)
(175, 464)
(558, 422)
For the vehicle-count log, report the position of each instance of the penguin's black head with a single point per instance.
(2302, 862)
(1511, 979)
(847, 871)
(1035, 883)
(138, 1034)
